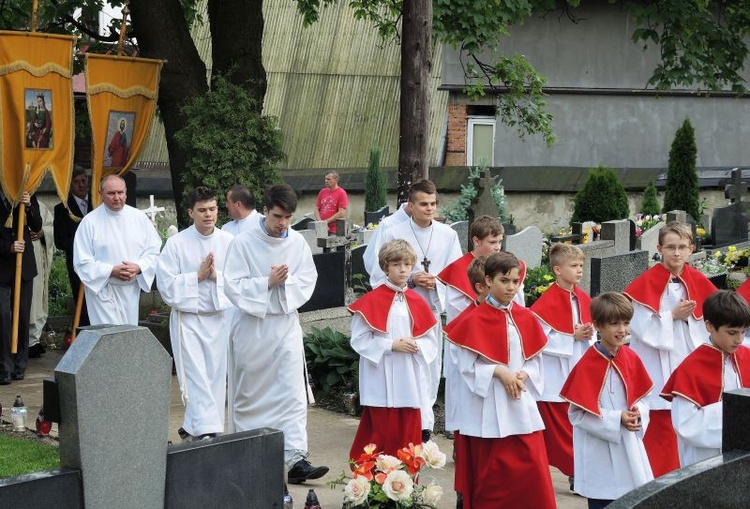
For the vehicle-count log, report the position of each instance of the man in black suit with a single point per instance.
(14, 365)
(65, 225)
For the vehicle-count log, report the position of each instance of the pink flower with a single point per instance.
(431, 454)
(356, 490)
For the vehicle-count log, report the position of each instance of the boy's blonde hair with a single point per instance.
(610, 307)
(476, 271)
(680, 229)
(395, 251)
(560, 253)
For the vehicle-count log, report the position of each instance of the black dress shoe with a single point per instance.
(426, 435)
(17, 376)
(4, 380)
(303, 470)
(36, 351)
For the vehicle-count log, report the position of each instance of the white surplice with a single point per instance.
(393, 379)
(44, 250)
(699, 429)
(197, 325)
(237, 226)
(484, 409)
(106, 238)
(455, 303)
(439, 244)
(661, 342)
(372, 251)
(266, 337)
(609, 460)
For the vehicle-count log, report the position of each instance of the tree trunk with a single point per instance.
(164, 34)
(237, 38)
(416, 69)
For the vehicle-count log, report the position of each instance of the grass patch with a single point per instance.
(24, 456)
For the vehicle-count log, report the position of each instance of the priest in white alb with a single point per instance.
(189, 275)
(437, 246)
(241, 208)
(114, 254)
(269, 274)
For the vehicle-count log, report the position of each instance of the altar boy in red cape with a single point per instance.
(563, 311)
(606, 391)
(696, 386)
(502, 461)
(667, 325)
(395, 334)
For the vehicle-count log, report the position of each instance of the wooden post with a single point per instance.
(17, 286)
(79, 308)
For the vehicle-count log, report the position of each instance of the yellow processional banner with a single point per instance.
(121, 94)
(36, 111)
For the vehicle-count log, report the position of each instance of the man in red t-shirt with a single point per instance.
(332, 202)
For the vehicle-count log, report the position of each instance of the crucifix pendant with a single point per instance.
(426, 264)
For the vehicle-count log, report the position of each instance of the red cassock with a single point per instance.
(510, 472)
(700, 377)
(647, 290)
(390, 428)
(554, 308)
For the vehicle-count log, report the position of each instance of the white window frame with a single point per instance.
(474, 121)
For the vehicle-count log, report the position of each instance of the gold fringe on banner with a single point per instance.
(36, 71)
(122, 93)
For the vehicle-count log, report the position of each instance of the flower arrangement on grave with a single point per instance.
(717, 264)
(536, 282)
(387, 482)
(701, 233)
(734, 257)
(644, 222)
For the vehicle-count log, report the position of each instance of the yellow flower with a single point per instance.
(700, 231)
(547, 277)
(732, 248)
(717, 254)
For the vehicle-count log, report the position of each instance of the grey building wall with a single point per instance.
(597, 92)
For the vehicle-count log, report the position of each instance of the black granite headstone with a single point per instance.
(736, 421)
(302, 223)
(329, 290)
(60, 489)
(376, 216)
(614, 273)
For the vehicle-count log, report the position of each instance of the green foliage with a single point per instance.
(332, 363)
(602, 198)
(361, 284)
(228, 142)
(682, 178)
(537, 281)
(459, 211)
(376, 184)
(60, 293)
(650, 205)
(25, 456)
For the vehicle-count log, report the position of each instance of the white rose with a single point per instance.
(356, 490)
(398, 485)
(387, 463)
(432, 493)
(432, 456)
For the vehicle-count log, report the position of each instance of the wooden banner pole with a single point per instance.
(17, 286)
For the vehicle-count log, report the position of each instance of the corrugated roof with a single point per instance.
(334, 87)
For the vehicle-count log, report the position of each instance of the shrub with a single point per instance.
(229, 143)
(650, 205)
(459, 211)
(602, 198)
(682, 177)
(376, 185)
(537, 281)
(59, 285)
(332, 362)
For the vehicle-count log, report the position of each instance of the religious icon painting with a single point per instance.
(119, 136)
(38, 124)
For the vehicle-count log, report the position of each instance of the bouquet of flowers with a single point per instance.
(382, 481)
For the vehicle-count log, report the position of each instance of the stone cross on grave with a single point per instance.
(483, 203)
(736, 189)
(152, 210)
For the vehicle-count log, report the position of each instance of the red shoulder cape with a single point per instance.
(648, 288)
(700, 377)
(744, 290)
(521, 271)
(456, 275)
(484, 331)
(555, 308)
(586, 381)
(375, 306)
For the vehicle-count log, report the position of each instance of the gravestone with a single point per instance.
(320, 228)
(312, 240)
(114, 386)
(303, 224)
(526, 245)
(376, 216)
(462, 230)
(614, 273)
(729, 224)
(330, 289)
(649, 239)
(358, 262)
(621, 232)
(363, 236)
(483, 203)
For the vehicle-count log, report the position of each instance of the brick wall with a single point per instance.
(456, 138)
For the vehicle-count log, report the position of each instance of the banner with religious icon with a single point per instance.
(36, 111)
(121, 93)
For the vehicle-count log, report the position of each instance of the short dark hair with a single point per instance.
(421, 186)
(500, 263)
(77, 172)
(242, 194)
(282, 196)
(200, 193)
(610, 307)
(476, 271)
(484, 226)
(726, 308)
